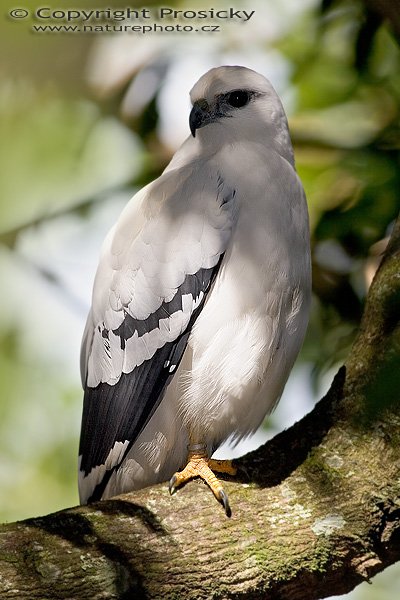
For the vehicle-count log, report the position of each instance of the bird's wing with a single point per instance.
(156, 269)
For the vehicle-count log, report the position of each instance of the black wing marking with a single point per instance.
(116, 413)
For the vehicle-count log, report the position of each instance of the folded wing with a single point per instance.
(156, 269)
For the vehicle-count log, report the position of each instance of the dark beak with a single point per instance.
(199, 116)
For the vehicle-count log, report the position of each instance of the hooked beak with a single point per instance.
(200, 115)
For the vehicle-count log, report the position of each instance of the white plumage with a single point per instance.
(202, 294)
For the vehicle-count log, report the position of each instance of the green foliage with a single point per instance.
(347, 138)
(37, 436)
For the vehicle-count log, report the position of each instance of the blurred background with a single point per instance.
(88, 118)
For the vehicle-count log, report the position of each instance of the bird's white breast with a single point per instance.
(246, 339)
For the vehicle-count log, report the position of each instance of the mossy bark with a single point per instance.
(315, 511)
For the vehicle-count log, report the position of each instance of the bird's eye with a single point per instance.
(238, 98)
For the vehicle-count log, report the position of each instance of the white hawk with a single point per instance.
(201, 298)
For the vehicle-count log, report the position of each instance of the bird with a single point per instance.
(200, 301)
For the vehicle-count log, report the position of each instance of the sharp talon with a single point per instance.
(224, 499)
(199, 465)
(171, 485)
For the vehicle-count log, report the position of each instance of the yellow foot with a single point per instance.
(199, 465)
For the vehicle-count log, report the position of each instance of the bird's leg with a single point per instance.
(199, 465)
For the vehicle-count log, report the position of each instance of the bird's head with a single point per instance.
(235, 103)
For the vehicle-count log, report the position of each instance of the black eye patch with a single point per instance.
(238, 98)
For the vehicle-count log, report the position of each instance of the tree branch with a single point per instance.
(315, 511)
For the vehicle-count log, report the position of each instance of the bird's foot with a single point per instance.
(199, 465)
